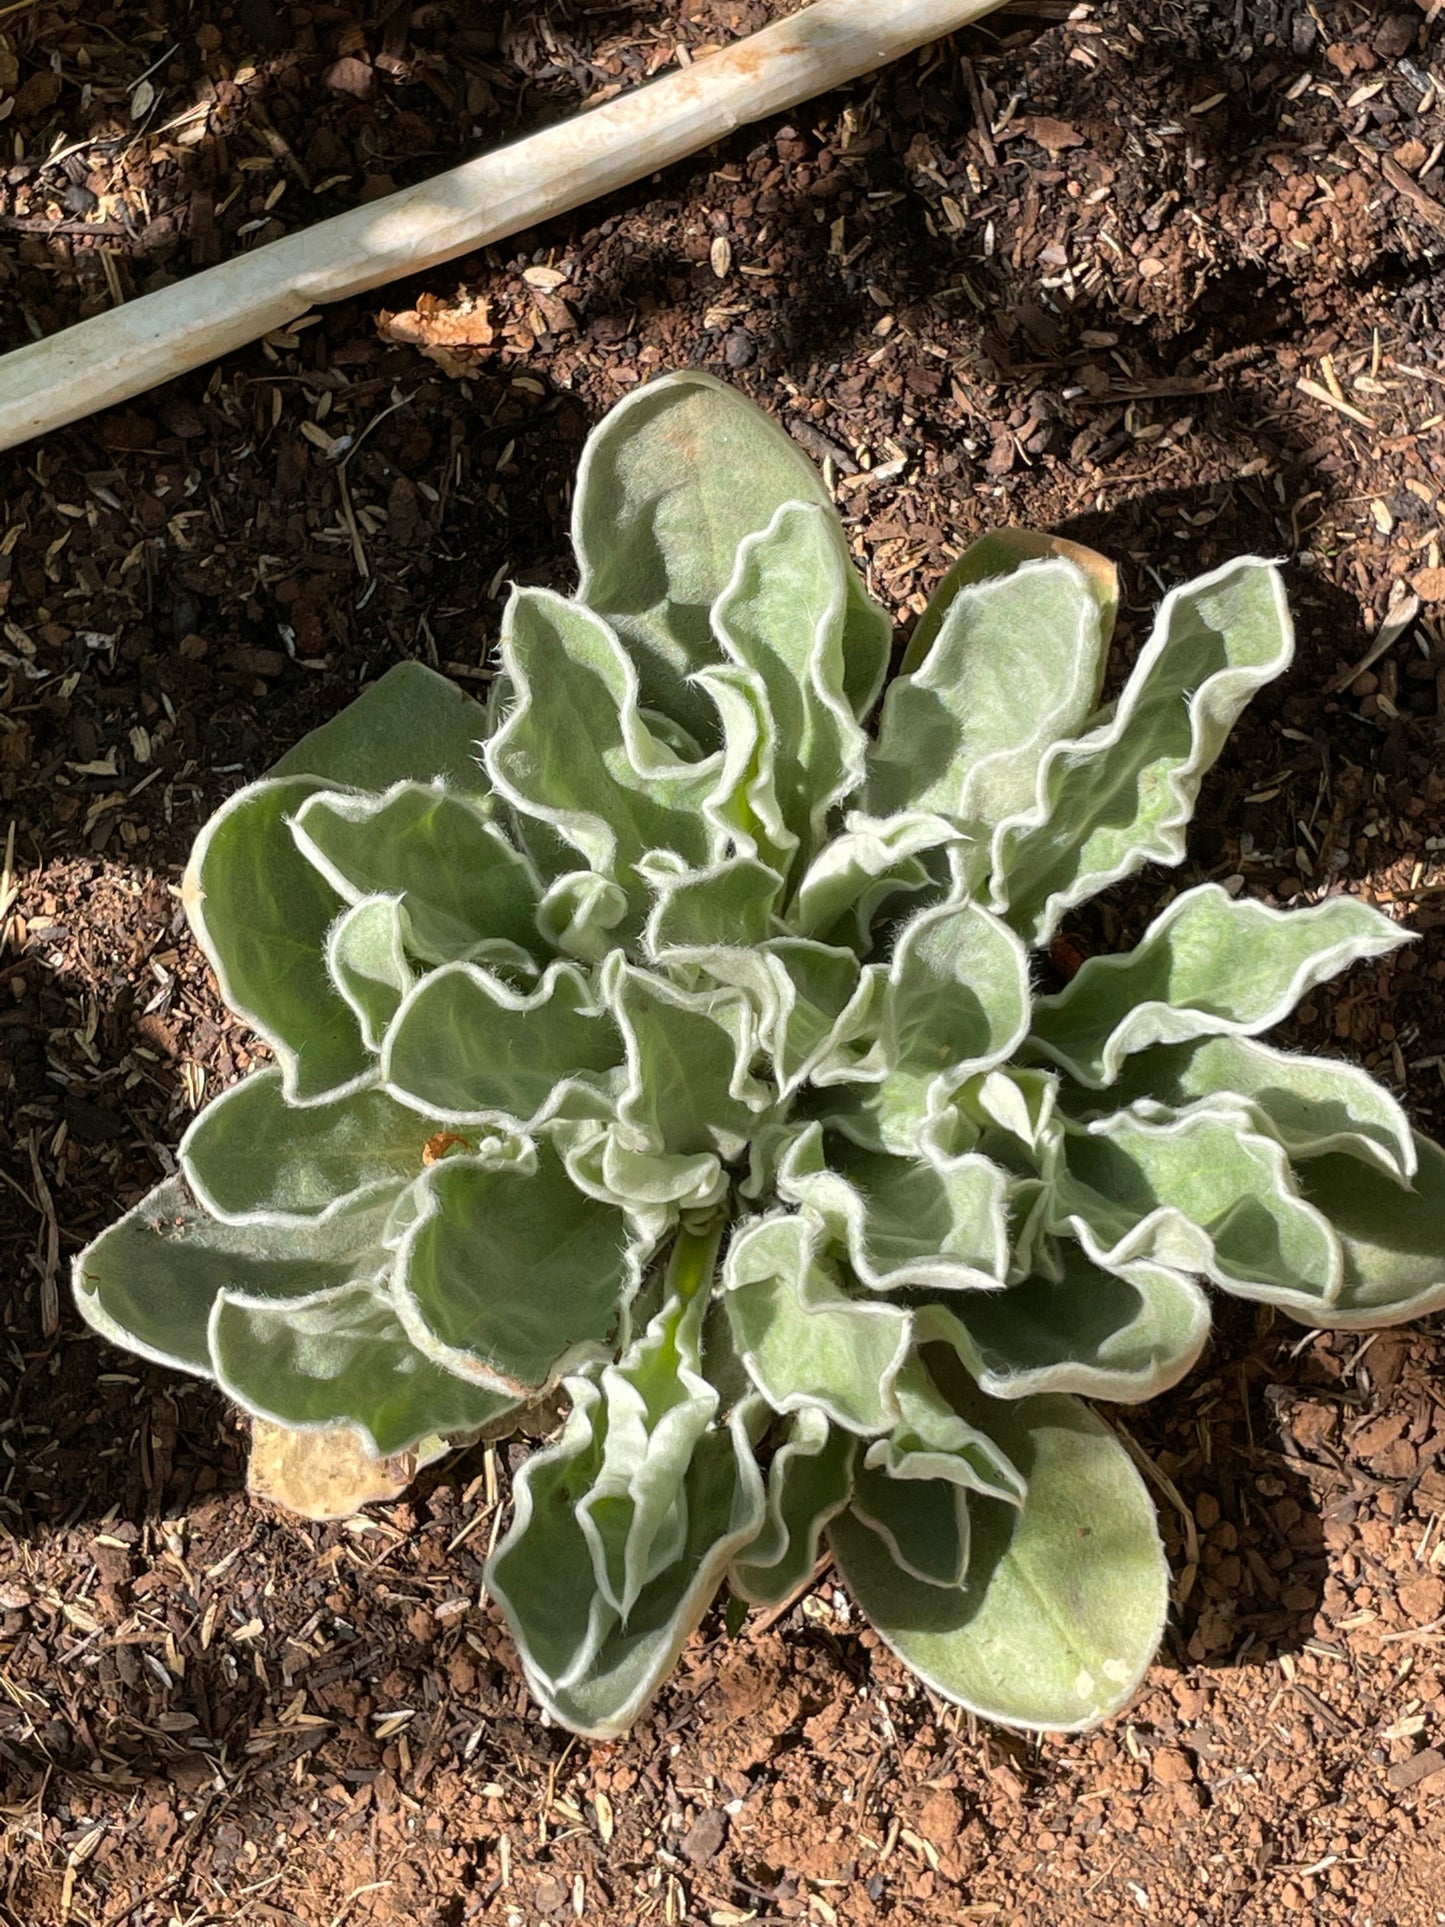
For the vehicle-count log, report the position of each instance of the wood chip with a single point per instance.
(1420, 1766)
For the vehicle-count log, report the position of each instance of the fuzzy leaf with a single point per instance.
(576, 753)
(809, 1481)
(1121, 795)
(865, 866)
(1064, 1601)
(1123, 1333)
(669, 486)
(903, 1222)
(1209, 965)
(730, 904)
(150, 1280)
(1202, 1192)
(658, 1409)
(803, 1339)
(782, 617)
(252, 1156)
(510, 1276)
(590, 1670)
(689, 1087)
(464, 887)
(924, 1524)
(1393, 1237)
(580, 914)
(469, 1049)
(1312, 1105)
(367, 963)
(1015, 665)
(1000, 553)
(340, 1357)
(956, 1004)
(410, 723)
(261, 912)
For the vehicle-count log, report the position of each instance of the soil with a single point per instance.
(1166, 278)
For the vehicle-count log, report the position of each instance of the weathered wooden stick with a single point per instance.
(129, 349)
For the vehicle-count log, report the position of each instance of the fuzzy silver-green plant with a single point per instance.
(661, 1036)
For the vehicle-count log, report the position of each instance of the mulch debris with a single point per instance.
(1166, 279)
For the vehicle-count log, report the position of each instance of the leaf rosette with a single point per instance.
(665, 1037)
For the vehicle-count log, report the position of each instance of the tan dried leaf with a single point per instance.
(456, 338)
(322, 1475)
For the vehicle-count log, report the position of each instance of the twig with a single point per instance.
(1317, 392)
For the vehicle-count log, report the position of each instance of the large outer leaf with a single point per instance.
(150, 1280)
(261, 912)
(1015, 666)
(1312, 1105)
(1063, 1605)
(1210, 964)
(340, 1357)
(670, 484)
(1393, 1238)
(1122, 795)
(252, 1156)
(410, 723)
